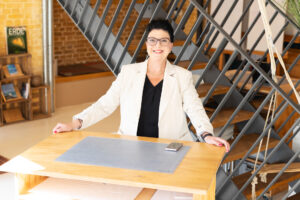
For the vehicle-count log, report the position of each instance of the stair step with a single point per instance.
(209, 109)
(258, 101)
(288, 38)
(275, 168)
(197, 65)
(295, 72)
(293, 54)
(265, 89)
(242, 147)
(280, 185)
(222, 117)
(204, 88)
(294, 197)
(142, 25)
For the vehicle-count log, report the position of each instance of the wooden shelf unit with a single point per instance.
(21, 108)
(40, 102)
(17, 109)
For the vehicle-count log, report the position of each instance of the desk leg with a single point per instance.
(210, 195)
(145, 194)
(26, 182)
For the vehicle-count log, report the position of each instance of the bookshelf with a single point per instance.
(17, 97)
(40, 101)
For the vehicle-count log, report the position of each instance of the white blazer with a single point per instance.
(178, 97)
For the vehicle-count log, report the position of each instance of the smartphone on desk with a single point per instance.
(174, 146)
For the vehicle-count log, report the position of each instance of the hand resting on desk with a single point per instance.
(217, 141)
(66, 127)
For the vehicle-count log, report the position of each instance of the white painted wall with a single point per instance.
(81, 91)
(258, 28)
(232, 20)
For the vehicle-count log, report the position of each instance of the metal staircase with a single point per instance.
(231, 94)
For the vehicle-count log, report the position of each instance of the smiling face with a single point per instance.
(162, 48)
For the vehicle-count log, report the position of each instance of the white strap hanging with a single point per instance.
(272, 104)
(273, 48)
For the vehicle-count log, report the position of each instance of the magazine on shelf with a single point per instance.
(12, 70)
(16, 40)
(10, 92)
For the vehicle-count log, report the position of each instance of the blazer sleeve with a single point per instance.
(193, 106)
(104, 106)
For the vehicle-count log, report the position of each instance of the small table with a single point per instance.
(195, 174)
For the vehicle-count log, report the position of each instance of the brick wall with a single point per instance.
(24, 13)
(70, 46)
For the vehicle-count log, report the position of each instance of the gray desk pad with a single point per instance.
(127, 154)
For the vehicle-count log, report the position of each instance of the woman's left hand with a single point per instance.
(217, 141)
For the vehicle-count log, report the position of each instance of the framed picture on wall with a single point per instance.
(12, 70)
(16, 40)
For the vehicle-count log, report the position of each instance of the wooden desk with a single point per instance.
(196, 173)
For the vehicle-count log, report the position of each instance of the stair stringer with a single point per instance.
(229, 189)
(96, 40)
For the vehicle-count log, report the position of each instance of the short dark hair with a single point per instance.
(161, 24)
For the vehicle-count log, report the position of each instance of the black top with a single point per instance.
(148, 122)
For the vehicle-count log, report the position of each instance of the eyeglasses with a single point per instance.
(153, 41)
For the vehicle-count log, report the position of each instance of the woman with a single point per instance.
(153, 96)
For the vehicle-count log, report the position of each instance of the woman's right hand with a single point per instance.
(66, 127)
(61, 127)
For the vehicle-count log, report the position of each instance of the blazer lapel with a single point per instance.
(139, 86)
(167, 89)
